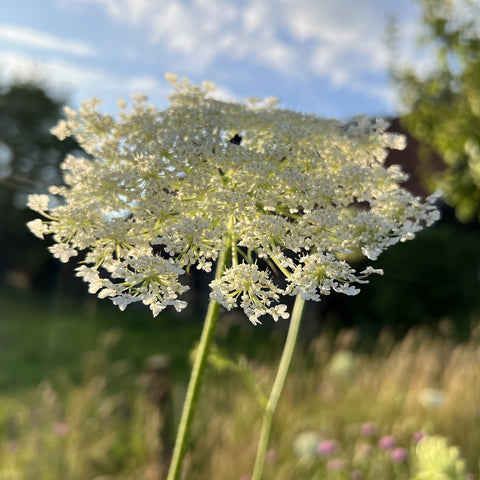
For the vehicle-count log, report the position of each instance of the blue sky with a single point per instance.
(322, 56)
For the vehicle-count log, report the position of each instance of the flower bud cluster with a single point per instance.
(161, 191)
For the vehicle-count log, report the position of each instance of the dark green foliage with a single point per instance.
(430, 279)
(29, 161)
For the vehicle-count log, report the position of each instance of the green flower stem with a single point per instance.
(193, 390)
(278, 387)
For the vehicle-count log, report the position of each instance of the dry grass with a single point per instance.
(90, 430)
(420, 384)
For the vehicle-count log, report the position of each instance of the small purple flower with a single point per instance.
(364, 450)
(368, 429)
(13, 446)
(398, 455)
(271, 456)
(357, 475)
(387, 442)
(417, 436)
(336, 465)
(60, 429)
(327, 447)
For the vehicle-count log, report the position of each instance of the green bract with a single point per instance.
(161, 191)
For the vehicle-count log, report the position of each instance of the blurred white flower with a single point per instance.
(37, 202)
(431, 398)
(341, 364)
(434, 458)
(305, 445)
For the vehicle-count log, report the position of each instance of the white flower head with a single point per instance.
(252, 288)
(162, 191)
(38, 228)
(63, 252)
(38, 203)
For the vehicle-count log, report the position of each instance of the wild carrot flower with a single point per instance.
(435, 458)
(160, 191)
(306, 444)
(432, 397)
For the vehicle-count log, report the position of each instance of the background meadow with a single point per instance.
(383, 385)
(349, 411)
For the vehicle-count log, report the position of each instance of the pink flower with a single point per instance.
(60, 429)
(387, 442)
(271, 456)
(357, 475)
(398, 455)
(336, 465)
(417, 436)
(13, 446)
(364, 450)
(368, 429)
(327, 447)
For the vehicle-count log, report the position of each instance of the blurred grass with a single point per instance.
(65, 414)
(37, 337)
(423, 383)
(40, 335)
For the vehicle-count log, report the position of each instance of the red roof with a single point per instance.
(419, 167)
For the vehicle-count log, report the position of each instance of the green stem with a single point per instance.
(278, 387)
(194, 384)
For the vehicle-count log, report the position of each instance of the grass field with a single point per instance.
(37, 337)
(345, 414)
(40, 335)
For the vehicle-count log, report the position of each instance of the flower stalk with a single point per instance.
(195, 382)
(277, 388)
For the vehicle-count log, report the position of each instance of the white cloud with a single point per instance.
(70, 79)
(204, 31)
(341, 46)
(54, 73)
(342, 41)
(34, 38)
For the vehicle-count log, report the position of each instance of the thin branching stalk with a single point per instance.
(201, 356)
(278, 387)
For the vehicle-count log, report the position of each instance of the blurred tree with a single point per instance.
(29, 161)
(444, 103)
(427, 281)
(435, 279)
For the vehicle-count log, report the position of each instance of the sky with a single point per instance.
(328, 57)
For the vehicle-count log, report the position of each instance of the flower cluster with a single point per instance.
(289, 194)
(362, 453)
(353, 460)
